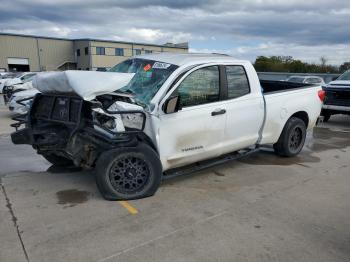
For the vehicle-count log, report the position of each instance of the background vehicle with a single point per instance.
(337, 99)
(4, 77)
(20, 83)
(18, 106)
(306, 79)
(169, 112)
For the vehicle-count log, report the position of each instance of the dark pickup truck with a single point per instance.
(337, 99)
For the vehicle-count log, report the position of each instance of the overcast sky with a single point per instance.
(304, 29)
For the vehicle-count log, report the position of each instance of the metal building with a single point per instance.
(38, 53)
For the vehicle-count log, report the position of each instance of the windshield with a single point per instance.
(345, 76)
(27, 78)
(149, 77)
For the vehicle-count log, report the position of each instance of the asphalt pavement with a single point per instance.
(259, 208)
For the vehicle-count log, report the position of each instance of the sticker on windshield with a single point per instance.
(160, 65)
(147, 67)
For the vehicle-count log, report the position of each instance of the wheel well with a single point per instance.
(303, 116)
(145, 139)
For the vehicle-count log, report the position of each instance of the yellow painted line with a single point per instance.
(128, 207)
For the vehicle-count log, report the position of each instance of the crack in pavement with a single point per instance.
(163, 236)
(14, 219)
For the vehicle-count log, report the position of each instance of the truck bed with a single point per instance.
(270, 86)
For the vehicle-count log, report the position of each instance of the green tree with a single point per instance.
(343, 67)
(288, 64)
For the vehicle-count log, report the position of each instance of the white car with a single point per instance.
(164, 114)
(21, 107)
(23, 82)
(306, 80)
(4, 78)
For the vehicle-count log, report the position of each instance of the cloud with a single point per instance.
(246, 28)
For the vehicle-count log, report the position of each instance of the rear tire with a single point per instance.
(292, 138)
(58, 160)
(128, 173)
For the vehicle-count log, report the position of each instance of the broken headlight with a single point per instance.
(119, 122)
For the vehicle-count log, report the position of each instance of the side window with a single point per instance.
(237, 82)
(200, 87)
(313, 81)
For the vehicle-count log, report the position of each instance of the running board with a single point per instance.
(208, 163)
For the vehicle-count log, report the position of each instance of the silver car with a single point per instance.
(306, 79)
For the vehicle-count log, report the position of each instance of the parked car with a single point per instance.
(23, 82)
(163, 114)
(3, 79)
(20, 102)
(337, 99)
(306, 80)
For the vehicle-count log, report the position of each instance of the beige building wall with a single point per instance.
(110, 59)
(46, 54)
(83, 61)
(54, 53)
(19, 47)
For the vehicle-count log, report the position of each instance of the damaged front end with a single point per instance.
(67, 126)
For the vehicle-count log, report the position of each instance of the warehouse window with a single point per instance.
(78, 52)
(119, 52)
(148, 51)
(86, 50)
(137, 51)
(100, 50)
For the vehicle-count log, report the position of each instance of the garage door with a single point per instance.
(18, 64)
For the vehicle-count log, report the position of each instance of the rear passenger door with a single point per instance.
(245, 110)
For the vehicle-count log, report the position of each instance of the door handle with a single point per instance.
(218, 112)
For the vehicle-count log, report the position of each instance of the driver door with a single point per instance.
(196, 131)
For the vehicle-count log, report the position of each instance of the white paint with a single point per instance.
(86, 84)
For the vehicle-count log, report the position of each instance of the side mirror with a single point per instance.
(172, 105)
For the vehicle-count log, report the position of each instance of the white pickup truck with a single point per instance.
(154, 115)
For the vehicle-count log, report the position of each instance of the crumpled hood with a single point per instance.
(86, 84)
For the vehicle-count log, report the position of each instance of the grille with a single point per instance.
(57, 108)
(337, 97)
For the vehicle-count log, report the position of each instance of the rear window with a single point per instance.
(313, 80)
(296, 79)
(237, 81)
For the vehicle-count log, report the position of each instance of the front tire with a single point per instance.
(292, 138)
(128, 173)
